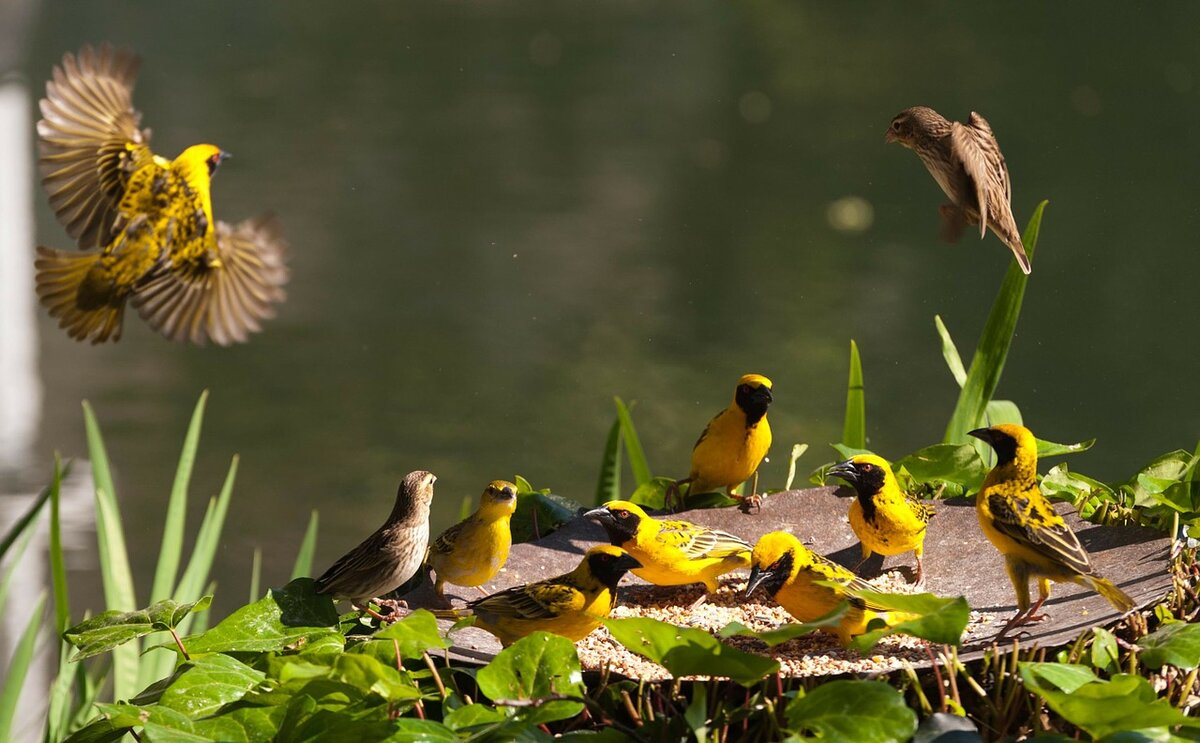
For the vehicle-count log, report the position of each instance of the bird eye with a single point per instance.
(621, 514)
(867, 467)
(896, 125)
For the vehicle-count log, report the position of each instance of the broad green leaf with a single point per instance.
(950, 352)
(1051, 449)
(689, 652)
(1104, 707)
(1148, 485)
(536, 667)
(854, 429)
(653, 494)
(797, 452)
(206, 684)
(124, 715)
(1176, 644)
(539, 512)
(696, 714)
(1001, 411)
(1067, 677)
(988, 362)
(783, 633)
(847, 452)
(113, 628)
(608, 485)
(1105, 653)
(935, 618)
(243, 724)
(308, 545)
(474, 716)
(955, 463)
(941, 727)
(292, 614)
(171, 552)
(852, 711)
(416, 634)
(633, 445)
(18, 667)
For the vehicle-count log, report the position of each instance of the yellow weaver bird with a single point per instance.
(789, 572)
(571, 605)
(1021, 523)
(884, 518)
(471, 552)
(144, 223)
(734, 442)
(671, 553)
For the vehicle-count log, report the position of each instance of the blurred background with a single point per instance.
(501, 215)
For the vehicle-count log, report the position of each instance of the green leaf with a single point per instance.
(633, 445)
(536, 667)
(255, 574)
(988, 362)
(935, 618)
(1001, 411)
(854, 429)
(474, 716)
(124, 715)
(206, 684)
(689, 652)
(852, 711)
(1176, 644)
(1101, 708)
(1051, 449)
(113, 628)
(539, 512)
(1066, 677)
(797, 452)
(171, 551)
(23, 524)
(58, 563)
(415, 634)
(653, 494)
(243, 724)
(1105, 653)
(608, 485)
(59, 706)
(950, 352)
(783, 633)
(308, 545)
(195, 576)
(954, 463)
(18, 667)
(288, 615)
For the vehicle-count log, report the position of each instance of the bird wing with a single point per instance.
(922, 511)
(444, 544)
(830, 570)
(704, 433)
(1036, 526)
(697, 542)
(979, 151)
(542, 600)
(226, 299)
(89, 141)
(368, 559)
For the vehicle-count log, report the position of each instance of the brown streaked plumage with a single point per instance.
(966, 161)
(391, 555)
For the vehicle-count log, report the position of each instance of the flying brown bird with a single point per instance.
(393, 554)
(966, 162)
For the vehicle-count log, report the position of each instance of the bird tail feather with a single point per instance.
(84, 313)
(1109, 590)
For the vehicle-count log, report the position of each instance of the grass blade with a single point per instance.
(19, 548)
(308, 546)
(608, 486)
(255, 575)
(854, 431)
(26, 519)
(18, 668)
(633, 445)
(58, 562)
(195, 576)
(950, 352)
(988, 362)
(171, 551)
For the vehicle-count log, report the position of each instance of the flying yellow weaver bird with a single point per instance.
(144, 224)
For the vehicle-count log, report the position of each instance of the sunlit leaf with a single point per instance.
(206, 684)
(308, 546)
(955, 463)
(852, 711)
(113, 628)
(292, 614)
(935, 618)
(1176, 644)
(689, 652)
(536, 668)
(854, 429)
(415, 634)
(1105, 652)
(608, 484)
(539, 512)
(783, 633)
(633, 445)
(1051, 449)
(653, 494)
(18, 667)
(797, 452)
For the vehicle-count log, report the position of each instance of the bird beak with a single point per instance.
(600, 515)
(223, 155)
(890, 136)
(756, 578)
(766, 393)
(844, 471)
(983, 434)
(505, 495)
(627, 562)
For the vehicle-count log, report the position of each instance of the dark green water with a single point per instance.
(503, 214)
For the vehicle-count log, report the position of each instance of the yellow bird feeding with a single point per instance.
(471, 552)
(144, 223)
(671, 553)
(883, 517)
(571, 605)
(1021, 523)
(734, 442)
(789, 572)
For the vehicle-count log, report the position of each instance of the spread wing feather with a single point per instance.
(1039, 529)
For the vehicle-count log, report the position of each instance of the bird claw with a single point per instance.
(748, 502)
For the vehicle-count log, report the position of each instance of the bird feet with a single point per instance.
(746, 503)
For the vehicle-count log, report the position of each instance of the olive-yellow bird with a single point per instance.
(571, 605)
(883, 517)
(793, 575)
(471, 552)
(1023, 525)
(734, 442)
(671, 553)
(144, 223)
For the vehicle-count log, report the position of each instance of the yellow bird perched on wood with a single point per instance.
(571, 605)
(471, 552)
(734, 442)
(671, 553)
(794, 576)
(1023, 525)
(883, 517)
(144, 223)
